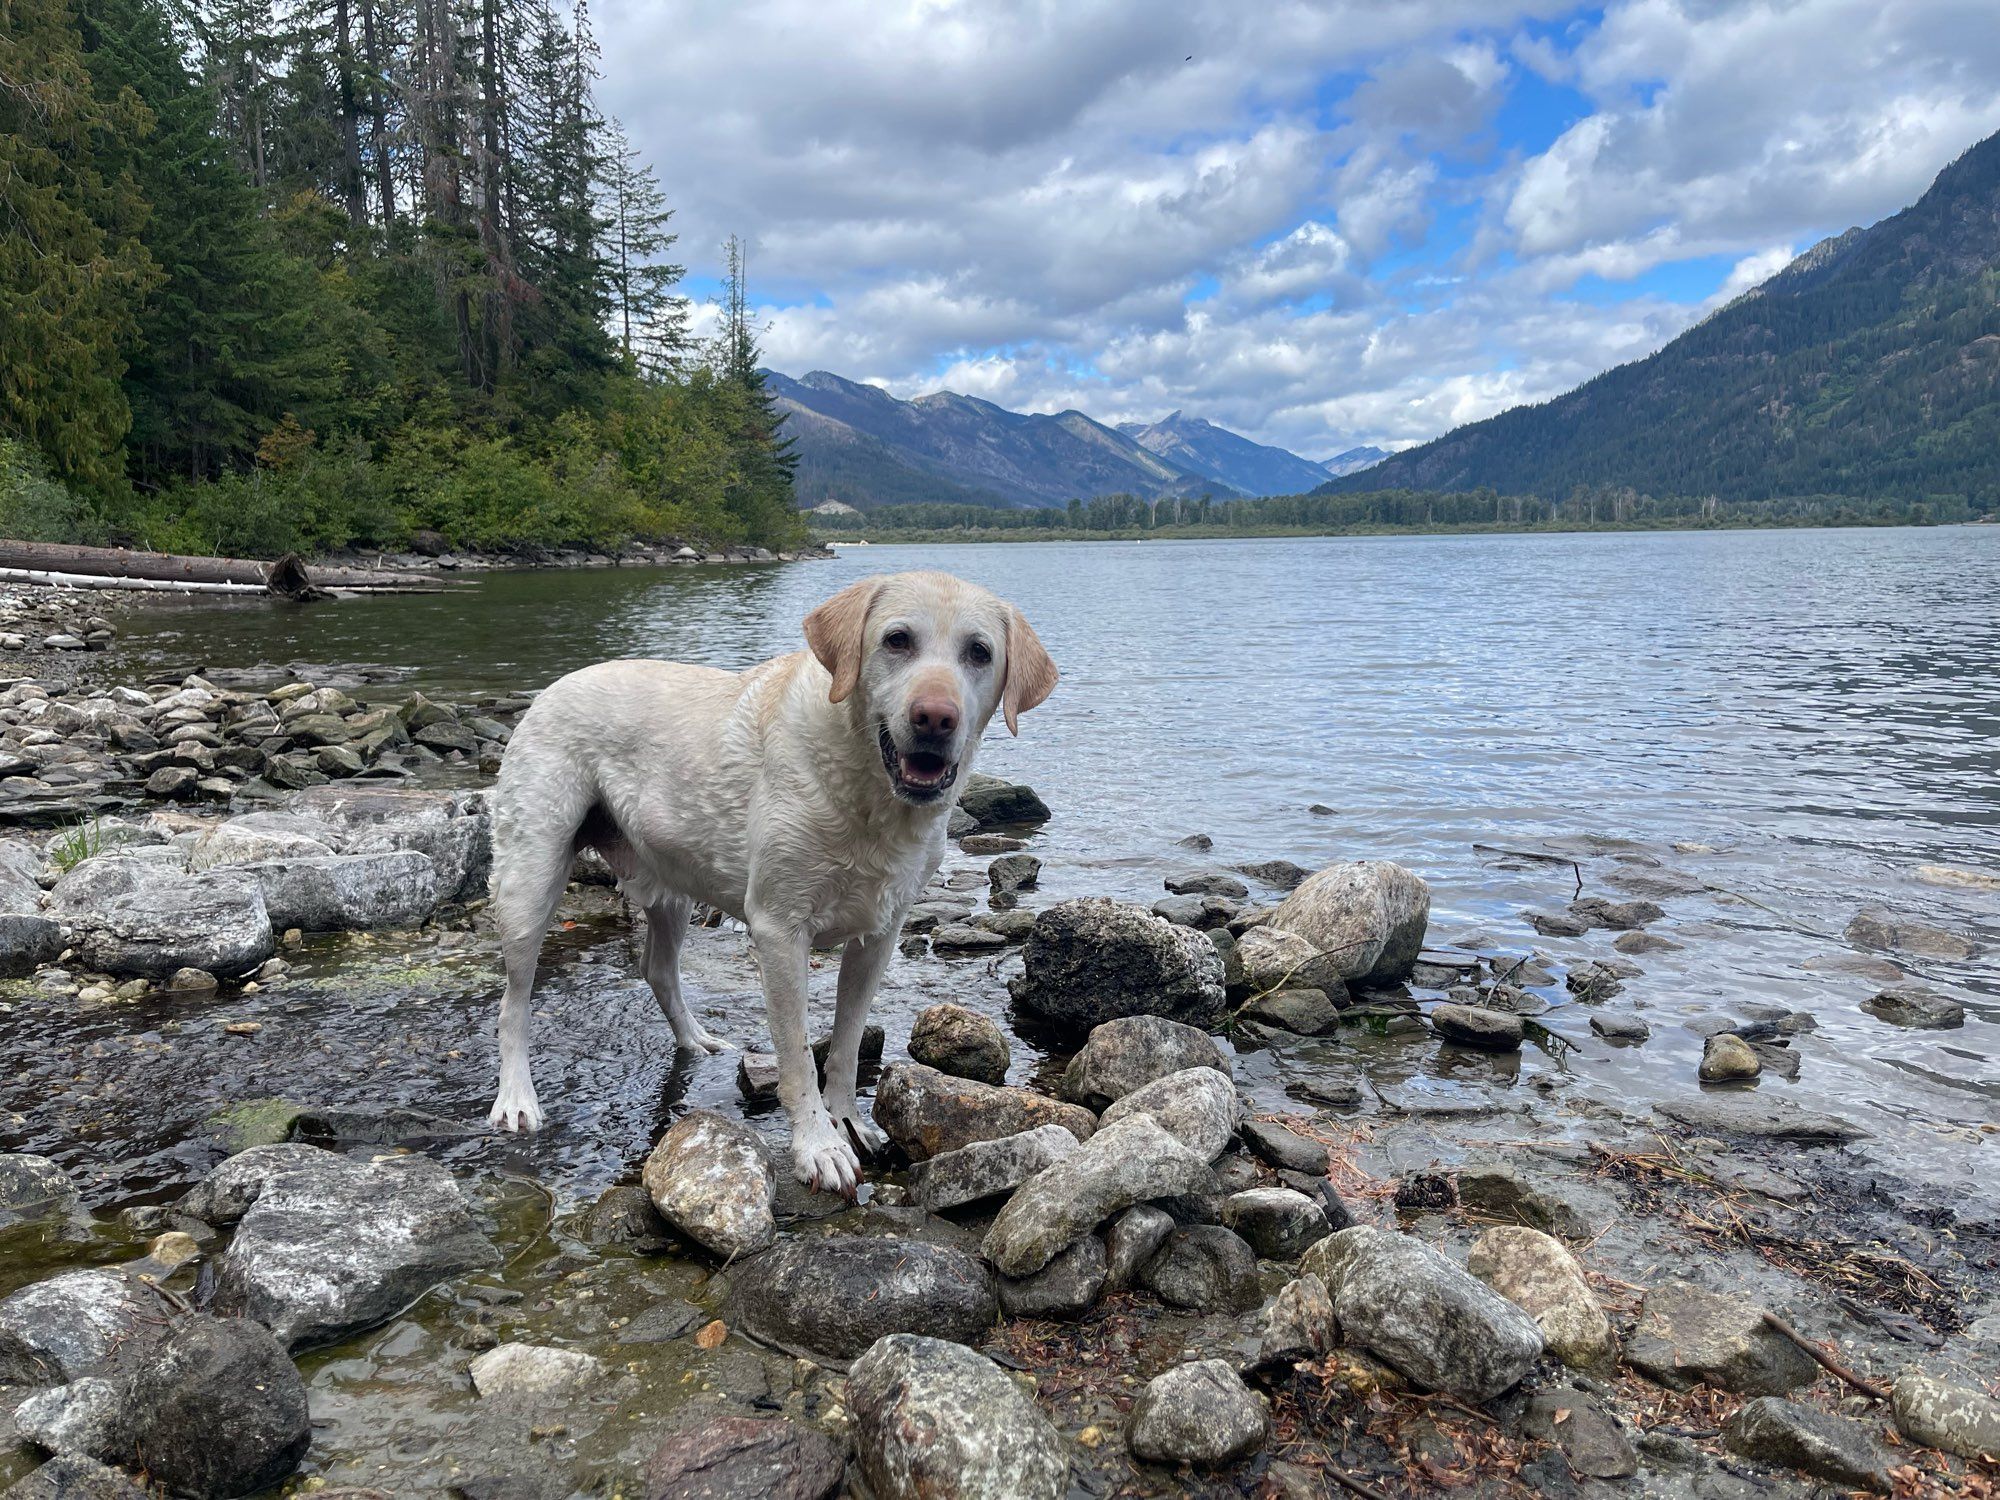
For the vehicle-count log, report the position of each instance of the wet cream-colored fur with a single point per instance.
(768, 794)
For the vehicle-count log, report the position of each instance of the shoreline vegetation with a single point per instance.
(1385, 513)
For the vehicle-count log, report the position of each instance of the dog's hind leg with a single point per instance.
(531, 869)
(666, 929)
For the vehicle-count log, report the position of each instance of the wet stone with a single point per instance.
(986, 1168)
(74, 1477)
(1369, 916)
(1555, 924)
(960, 1042)
(932, 1418)
(1131, 1241)
(1207, 883)
(1619, 916)
(1541, 1200)
(1914, 1005)
(1775, 1431)
(746, 1458)
(1278, 1223)
(1688, 1337)
(1473, 1026)
(833, 1297)
(1747, 1116)
(1297, 1325)
(1726, 1057)
(1885, 930)
(1201, 1414)
(1594, 1444)
(1064, 1288)
(1302, 1011)
(712, 1181)
(1090, 961)
(927, 1112)
(1284, 1148)
(69, 1325)
(1627, 1030)
(536, 1371)
(33, 1187)
(1205, 1268)
(1124, 1055)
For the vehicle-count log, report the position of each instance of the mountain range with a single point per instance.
(1869, 366)
(858, 444)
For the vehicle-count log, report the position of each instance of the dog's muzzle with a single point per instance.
(917, 776)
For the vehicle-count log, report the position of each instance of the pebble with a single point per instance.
(1726, 1057)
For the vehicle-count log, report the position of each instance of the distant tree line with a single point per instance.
(1584, 508)
(308, 273)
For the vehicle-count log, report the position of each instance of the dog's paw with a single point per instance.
(823, 1160)
(869, 1137)
(516, 1108)
(703, 1040)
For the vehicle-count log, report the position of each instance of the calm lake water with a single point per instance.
(1799, 721)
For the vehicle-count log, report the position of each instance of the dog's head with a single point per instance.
(928, 658)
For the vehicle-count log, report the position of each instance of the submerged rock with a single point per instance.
(712, 1181)
(1914, 1005)
(1411, 1307)
(1688, 1337)
(960, 1042)
(932, 1419)
(986, 1168)
(1092, 960)
(928, 1113)
(1131, 1052)
(1759, 1119)
(1726, 1057)
(833, 1297)
(1201, 1414)
(1538, 1274)
(1475, 1026)
(746, 1458)
(1197, 1106)
(536, 1370)
(1130, 1161)
(1885, 930)
(1369, 914)
(33, 1187)
(332, 1246)
(1775, 1431)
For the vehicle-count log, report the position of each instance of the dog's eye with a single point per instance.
(897, 640)
(978, 653)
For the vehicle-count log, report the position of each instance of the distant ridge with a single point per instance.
(1869, 366)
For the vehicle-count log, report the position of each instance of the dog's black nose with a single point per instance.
(934, 716)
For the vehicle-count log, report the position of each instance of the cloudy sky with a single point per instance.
(1322, 224)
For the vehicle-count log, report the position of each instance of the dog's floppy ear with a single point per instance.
(836, 633)
(1031, 676)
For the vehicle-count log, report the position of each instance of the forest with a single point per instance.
(332, 273)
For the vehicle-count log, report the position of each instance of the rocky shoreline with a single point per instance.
(1152, 1225)
(431, 553)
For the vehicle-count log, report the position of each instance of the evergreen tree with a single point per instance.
(651, 320)
(759, 491)
(72, 270)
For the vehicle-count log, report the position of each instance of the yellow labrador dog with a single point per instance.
(806, 796)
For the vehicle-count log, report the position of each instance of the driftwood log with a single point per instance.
(288, 576)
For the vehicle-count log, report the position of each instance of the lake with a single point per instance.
(1797, 722)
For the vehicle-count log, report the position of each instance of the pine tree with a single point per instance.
(72, 270)
(759, 494)
(652, 321)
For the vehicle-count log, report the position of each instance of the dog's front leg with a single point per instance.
(821, 1157)
(862, 965)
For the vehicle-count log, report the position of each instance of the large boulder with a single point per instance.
(1205, 1268)
(746, 1458)
(1414, 1309)
(1201, 1414)
(1131, 1052)
(1131, 1161)
(927, 1112)
(217, 1410)
(993, 803)
(1688, 1337)
(1197, 1106)
(933, 1419)
(139, 912)
(333, 1246)
(712, 1180)
(986, 1169)
(1537, 1274)
(833, 1297)
(1093, 960)
(452, 829)
(1369, 914)
(337, 892)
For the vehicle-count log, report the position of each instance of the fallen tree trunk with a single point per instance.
(184, 586)
(288, 575)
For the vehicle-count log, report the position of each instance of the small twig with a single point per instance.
(1354, 1486)
(547, 1224)
(1827, 1361)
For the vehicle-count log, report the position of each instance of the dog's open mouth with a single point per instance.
(917, 775)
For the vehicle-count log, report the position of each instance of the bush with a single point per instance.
(36, 508)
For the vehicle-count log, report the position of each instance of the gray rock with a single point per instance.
(960, 1042)
(1885, 930)
(833, 1297)
(1369, 914)
(1273, 959)
(928, 1113)
(1775, 1431)
(963, 937)
(1408, 1305)
(712, 1181)
(71, 1476)
(1284, 1148)
(68, 1326)
(1688, 1337)
(1277, 1222)
(1555, 1205)
(33, 1187)
(986, 1168)
(86, 1416)
(1726, 1057)
(1201, 1414)
(1476, 1026)
(1622, 1029)
(27, 941)
(1590, 1439)
(338, 892)
(932, 1419)
(1297, 1325)
(1280, 874)
(1203, 913)
(1013, 872)
(1592, 983)
(1555, 923)
(1129, 1161)
(451, 828)
(993, 803)
(1945, 1416)
(1618, 916)
(1914, 1005)
(1538, 1274)
(334, 1245)
(1126, 1054)
(1305, 1012)
(536, 1371)
(1131, 1241)
(245, 841)
(1064, 1288)
(1747, 1116)
(1206, 883)
(746, 1458)
(1091, 961)
(1204, 1267)
(224, 1196)
(129, 914)
(1197, 1106)
(217, 1410)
